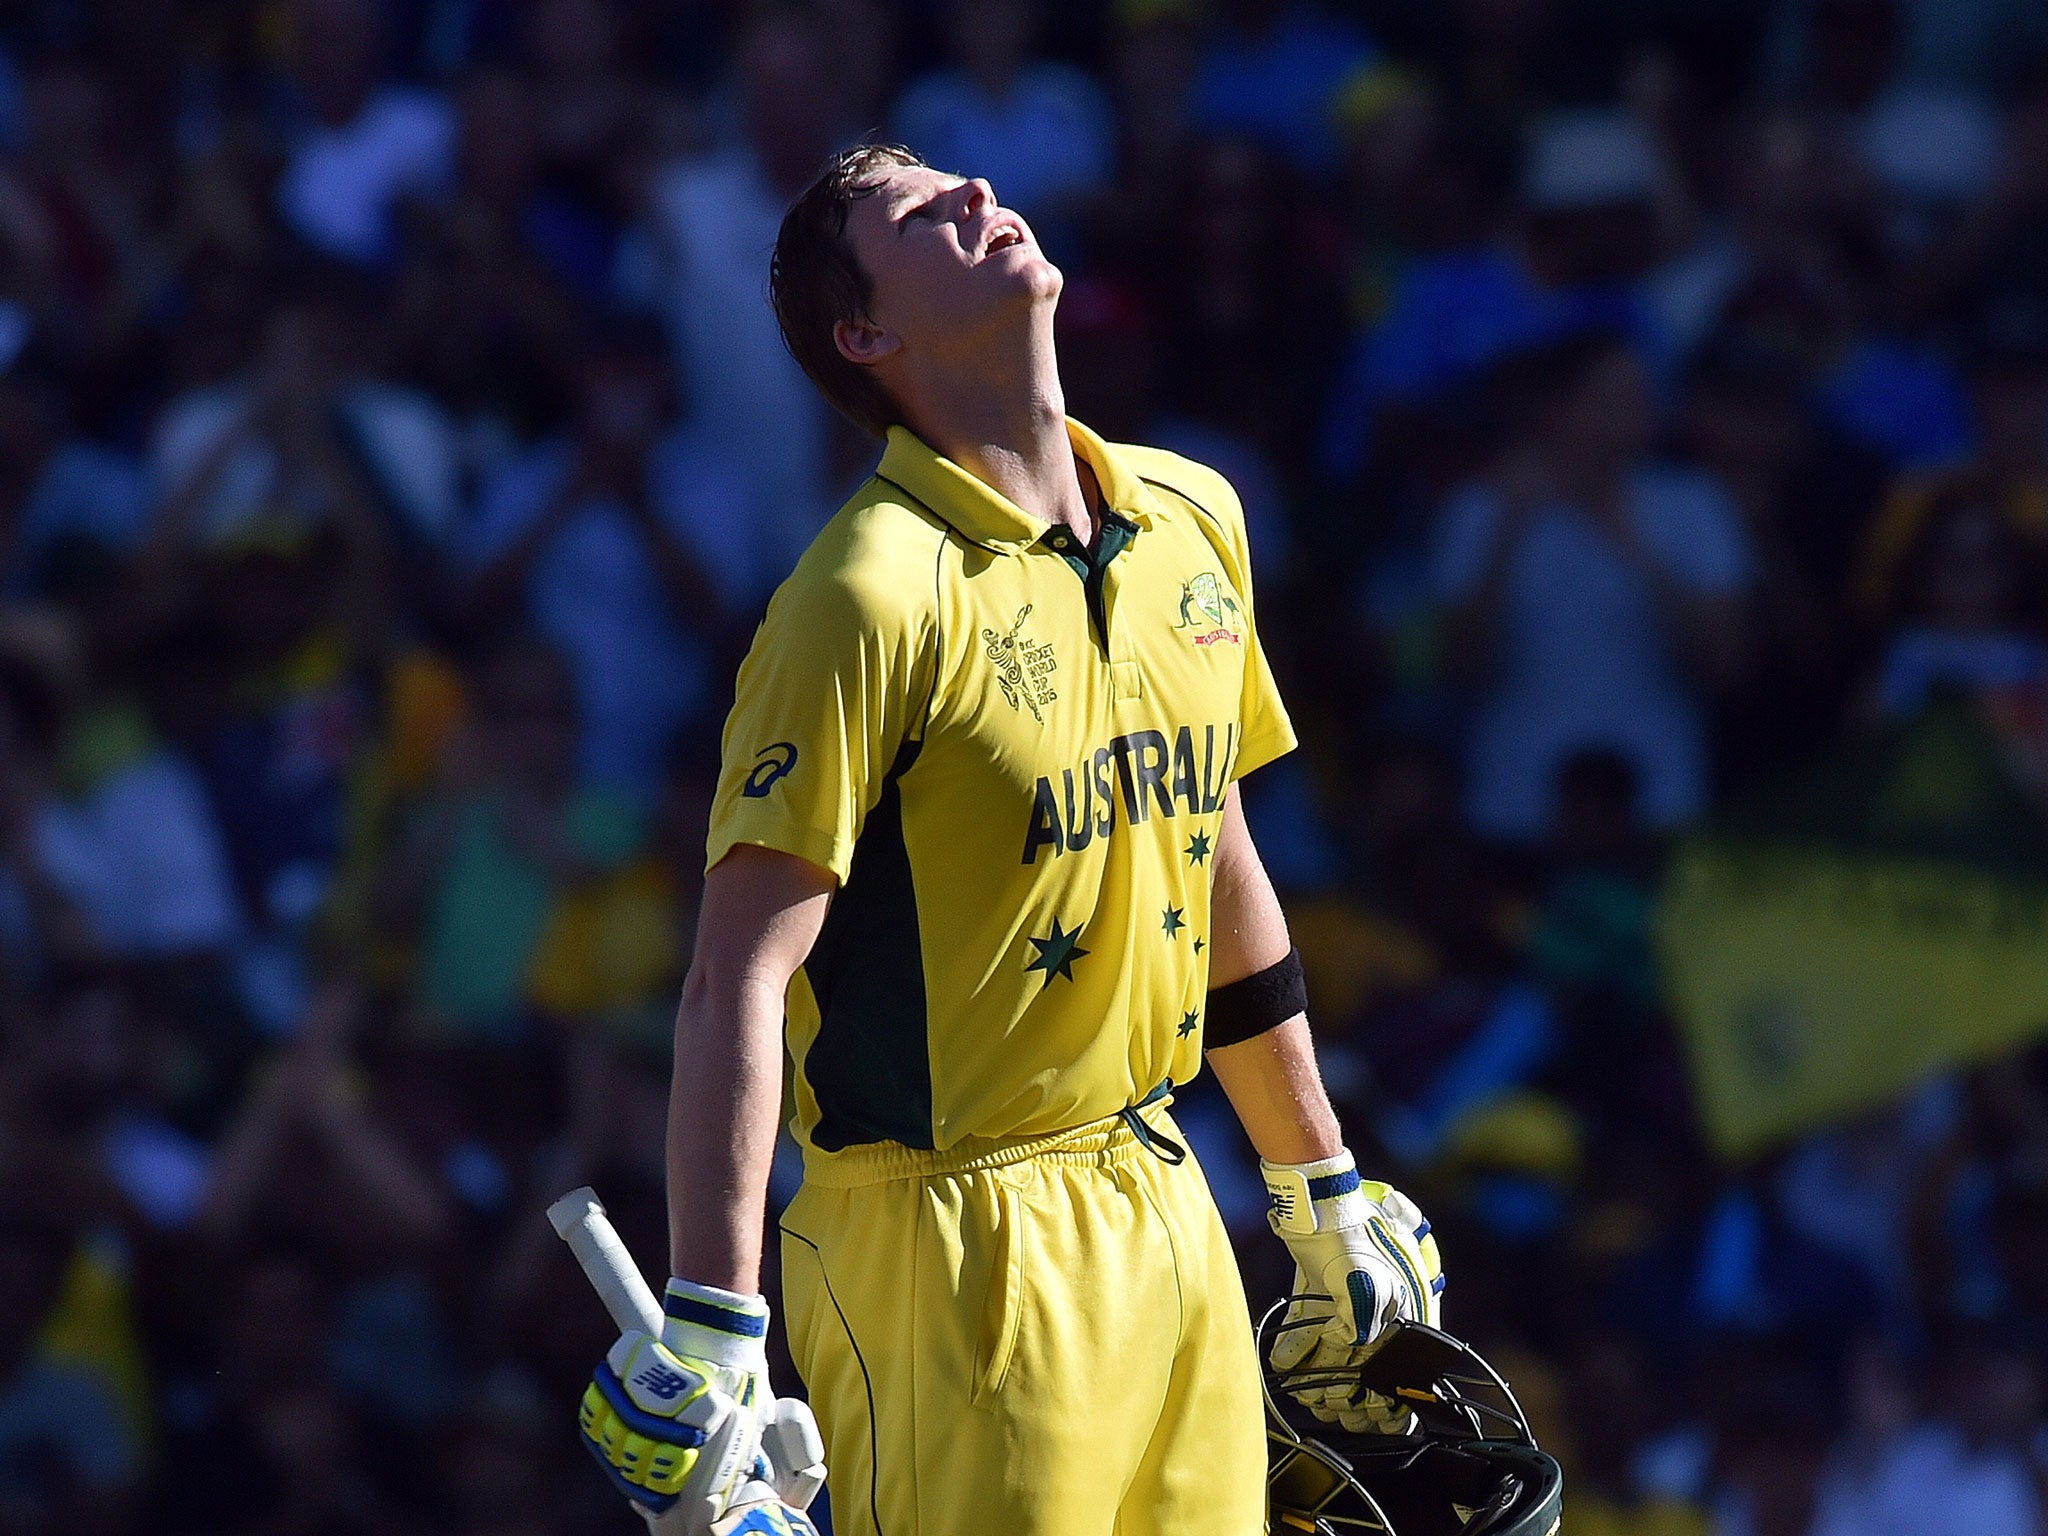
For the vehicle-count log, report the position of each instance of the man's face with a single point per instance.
(947, 262)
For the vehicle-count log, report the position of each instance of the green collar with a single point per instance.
(1111, 540)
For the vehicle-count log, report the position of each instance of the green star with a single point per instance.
(1056, 955)
(1173, 922)
(1198, 848)
(1198, 946)
(1188, 1021)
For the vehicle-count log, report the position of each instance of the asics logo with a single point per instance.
(662, 1382)
(771, 763)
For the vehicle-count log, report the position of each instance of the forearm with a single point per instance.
(1271, 1079)
(724, 1101)
(1272, 1083)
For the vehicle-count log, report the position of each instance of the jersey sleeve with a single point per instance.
(1264, 730)
(837, 680)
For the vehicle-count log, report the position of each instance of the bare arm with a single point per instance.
(761, 913)
(1270, 1079)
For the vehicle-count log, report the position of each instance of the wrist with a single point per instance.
(1316, 1196)
(720, 1327)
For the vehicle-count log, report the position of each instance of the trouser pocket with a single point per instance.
(1002, 1304)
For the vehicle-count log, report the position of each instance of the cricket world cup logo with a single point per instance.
(1024, 668)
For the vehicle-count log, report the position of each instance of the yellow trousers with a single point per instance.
(1032, 1338)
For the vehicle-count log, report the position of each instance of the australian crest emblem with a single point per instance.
(1208, 611)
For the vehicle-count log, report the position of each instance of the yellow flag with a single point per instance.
(1811, 983)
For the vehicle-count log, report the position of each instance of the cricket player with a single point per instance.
(977, 838)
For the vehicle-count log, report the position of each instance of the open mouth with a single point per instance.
(1003, 239)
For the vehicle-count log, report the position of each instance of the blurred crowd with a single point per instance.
(1633, 402)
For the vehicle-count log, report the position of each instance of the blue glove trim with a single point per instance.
(643, 1496)
(638, 1419)
(1365, 1303)
(1329, 1186)
(1436, 1286)
(1406, 1270)
(775, 1520)
(1422, 1230)
(705, 1314)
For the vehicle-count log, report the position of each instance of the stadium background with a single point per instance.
(1641, 409)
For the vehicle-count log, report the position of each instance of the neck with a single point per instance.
(999, 414)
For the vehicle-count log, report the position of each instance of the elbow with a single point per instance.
(721, 1001)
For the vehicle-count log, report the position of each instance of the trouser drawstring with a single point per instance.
(1158, 1143)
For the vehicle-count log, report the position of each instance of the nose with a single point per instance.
(980, 194)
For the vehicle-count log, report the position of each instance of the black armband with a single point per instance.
(1256, 1003)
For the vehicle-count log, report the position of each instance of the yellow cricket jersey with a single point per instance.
(1013, 753)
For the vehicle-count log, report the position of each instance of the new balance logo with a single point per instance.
(663, 1382)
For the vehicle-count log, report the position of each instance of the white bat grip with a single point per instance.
(579, 1220)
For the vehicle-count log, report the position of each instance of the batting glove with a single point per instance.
(1363, 1257)
(764, 1517)
(676, 1421)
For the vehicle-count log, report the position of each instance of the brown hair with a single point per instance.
(815, 281)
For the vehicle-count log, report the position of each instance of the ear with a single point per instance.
(863, 341)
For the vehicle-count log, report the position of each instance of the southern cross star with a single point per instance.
(1188, 1021)
(1198, 848)
(1056, 955)
(1173, 922)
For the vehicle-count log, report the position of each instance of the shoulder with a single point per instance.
(875, 564)
(1192, 482)
(1182, 487)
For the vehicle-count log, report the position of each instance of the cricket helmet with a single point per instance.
(1465, 1464)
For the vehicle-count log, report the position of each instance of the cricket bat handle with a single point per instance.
(579, 1220)
(789, 1435)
